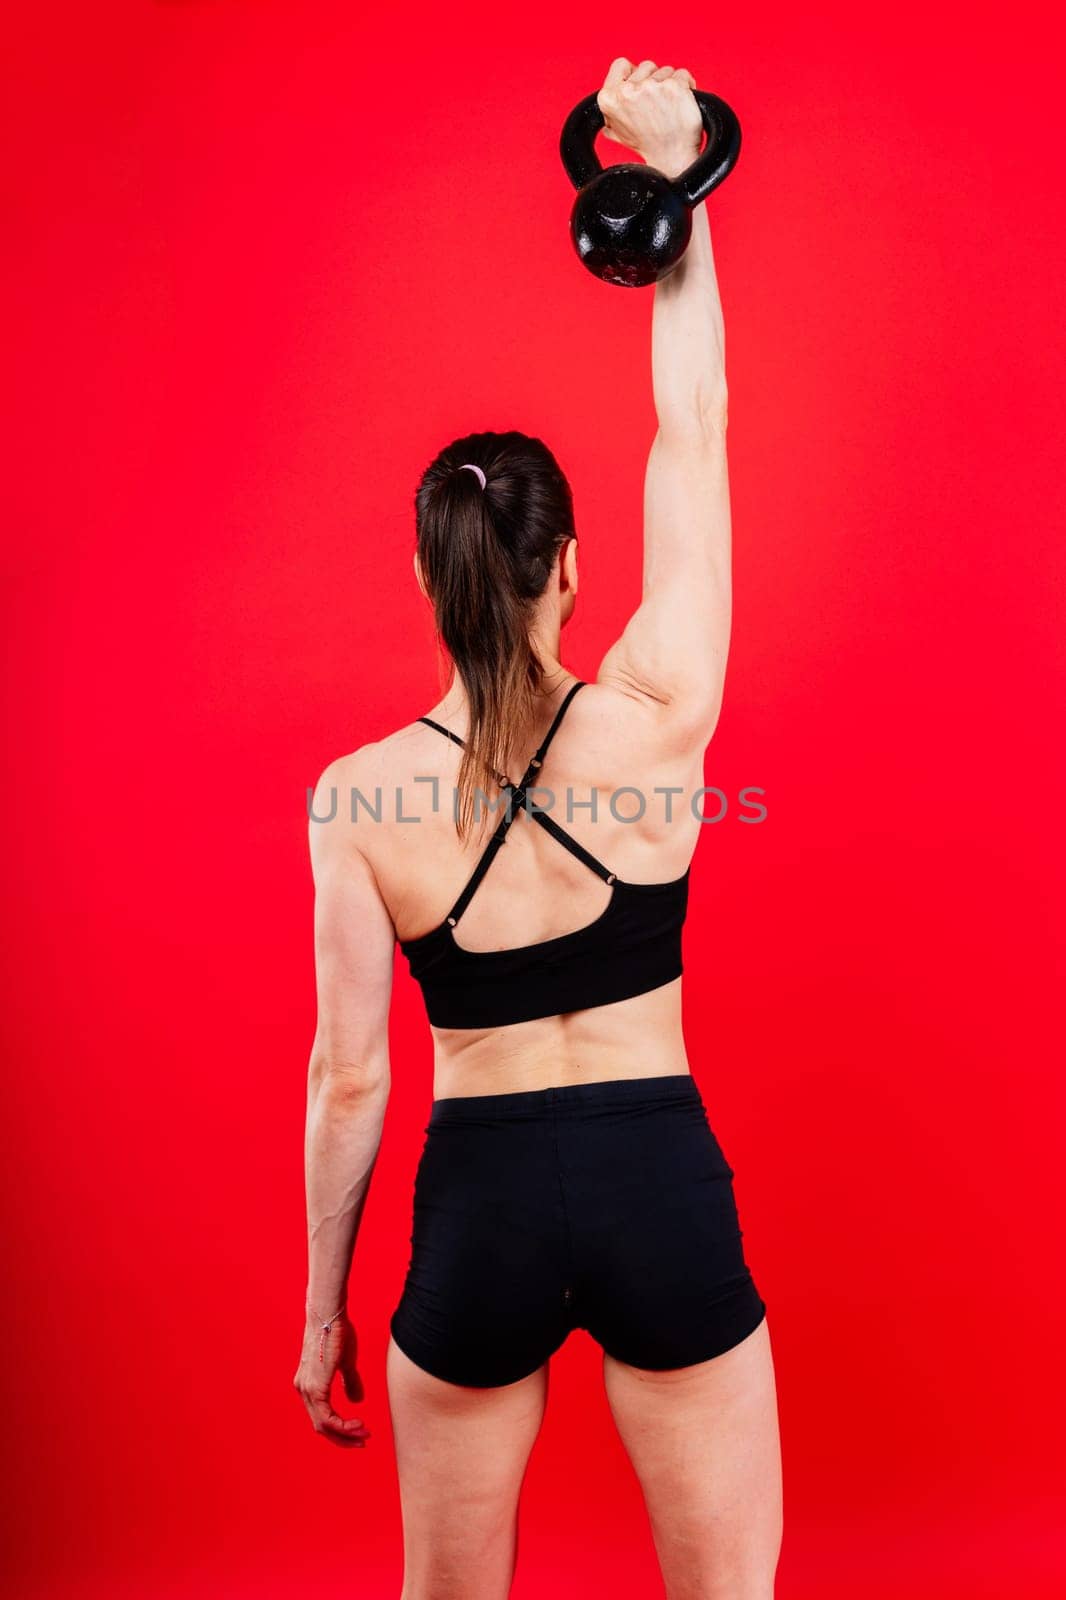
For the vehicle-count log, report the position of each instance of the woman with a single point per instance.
(569, 1177)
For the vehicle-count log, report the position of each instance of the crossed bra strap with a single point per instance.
(517, 796)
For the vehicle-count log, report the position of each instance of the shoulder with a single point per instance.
(329, 794)
(364, 782)
(625, 712)
(378, 761)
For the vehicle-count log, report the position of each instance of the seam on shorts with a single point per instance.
(571, 1263)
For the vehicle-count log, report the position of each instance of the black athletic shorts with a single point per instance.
(607, 1206)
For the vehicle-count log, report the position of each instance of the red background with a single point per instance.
(265, 260)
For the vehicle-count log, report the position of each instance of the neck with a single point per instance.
(453, 706)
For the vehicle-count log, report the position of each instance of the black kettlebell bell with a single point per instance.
(630, 223)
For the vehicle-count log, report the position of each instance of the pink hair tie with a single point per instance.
(468, 466)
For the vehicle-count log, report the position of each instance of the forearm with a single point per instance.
(688, 333)
(345, 1115)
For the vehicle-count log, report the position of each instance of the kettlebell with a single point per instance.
(630, 223)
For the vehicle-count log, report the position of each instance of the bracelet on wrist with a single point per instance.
(324, 1327)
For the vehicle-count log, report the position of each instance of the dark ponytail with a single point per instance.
(486, 554)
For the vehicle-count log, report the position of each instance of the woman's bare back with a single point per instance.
(624, 781)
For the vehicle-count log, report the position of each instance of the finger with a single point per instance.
(355, 1442)
(662, 73)
(348, 1427)
(643, 70)
(327, 1421)
(353, 1383)
(686, 77)
(618, 71)
(322, 1414)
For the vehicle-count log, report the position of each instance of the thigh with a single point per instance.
(704, 1443)
(461, 1454)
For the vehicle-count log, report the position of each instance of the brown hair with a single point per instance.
(485, 556)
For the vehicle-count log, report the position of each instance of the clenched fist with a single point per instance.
(652, 110)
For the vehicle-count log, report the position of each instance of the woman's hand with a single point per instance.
(320, 1361)
(652, 110)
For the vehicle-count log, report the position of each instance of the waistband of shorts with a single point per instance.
(567, 1098)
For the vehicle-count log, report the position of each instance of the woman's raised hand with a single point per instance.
(651, 110)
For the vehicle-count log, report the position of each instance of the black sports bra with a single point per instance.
(632, 946)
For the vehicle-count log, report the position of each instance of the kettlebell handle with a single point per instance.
(714, 162)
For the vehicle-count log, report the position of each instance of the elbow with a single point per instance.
(703, 418)
(341, 1085)
(714, 409)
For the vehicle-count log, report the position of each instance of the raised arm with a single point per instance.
(347, 1091)
(672, 653)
